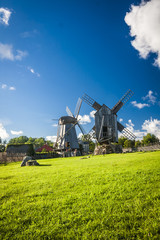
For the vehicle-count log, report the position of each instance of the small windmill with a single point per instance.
(106, 125)
(66, 134)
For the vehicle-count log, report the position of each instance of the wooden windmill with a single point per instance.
(106, 125)
(66, 134)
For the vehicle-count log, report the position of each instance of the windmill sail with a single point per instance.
(91, 102)
(122, 101)
(78, 106)
(69, 112)
(81, 128)
(125, 131)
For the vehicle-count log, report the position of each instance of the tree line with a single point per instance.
(146, 141)
(39, 142)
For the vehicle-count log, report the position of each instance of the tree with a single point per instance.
(121, 140)
(137, 144)
(150, 139)
(39, 142)
(88, 138)
(129, 143)
(18, 140)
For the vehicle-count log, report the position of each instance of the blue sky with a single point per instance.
(53, 52)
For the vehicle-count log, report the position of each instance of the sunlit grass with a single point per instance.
(116, 196)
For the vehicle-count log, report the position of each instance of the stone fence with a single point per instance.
(17, 157)
(11, 157)
(151, 147)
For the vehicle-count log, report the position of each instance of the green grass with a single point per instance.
(116, 196)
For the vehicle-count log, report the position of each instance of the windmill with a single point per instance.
(106, 125)
(66, 134)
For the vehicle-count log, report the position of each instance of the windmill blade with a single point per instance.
(122, 101)
(125, 131)
(78, 106)
(81, 128)
(69, 112)
(91, 102)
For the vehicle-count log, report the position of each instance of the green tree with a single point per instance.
(150, 139)
(18, 140)
(88, 138)
(39, 142)
(129, 143)
(137, 143)
(121, 140)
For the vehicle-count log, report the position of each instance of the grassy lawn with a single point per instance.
(115, 196)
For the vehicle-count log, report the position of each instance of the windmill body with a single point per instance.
(67, 137)
(106, 125)
(66, 134)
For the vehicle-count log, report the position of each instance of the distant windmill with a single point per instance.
(106, 125)
(66, 134)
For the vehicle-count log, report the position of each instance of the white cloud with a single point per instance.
(3, 132)
(150, 97)
(80, 135)
(4, 15)
(139, 105)
(12, 88)
(139, 134)
(121, 119)
(6, 52)
(152, 126)
(144, 22)
(33, 71)
(54, 125)
(92, 114)
(149, 126)
(4, 86)
(16, 132)
(51, 138)
(84, 119)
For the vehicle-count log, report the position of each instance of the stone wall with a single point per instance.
(11, 157)
(151, 147)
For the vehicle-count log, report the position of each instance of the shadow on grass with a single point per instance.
(44, 165)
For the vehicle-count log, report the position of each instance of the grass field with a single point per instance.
(115, 196)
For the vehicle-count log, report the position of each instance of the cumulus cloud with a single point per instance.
(33, 71)
(149, 126)
(144, 23)
(139, 105)
(84, 119)
(92, 114)
(4, 15)
(150, 97)
(6, 52)
(16, 132)
(121, 119)
(51, 138)
(138, 133)
(12, 88)
(152, 126)
(3, 132)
